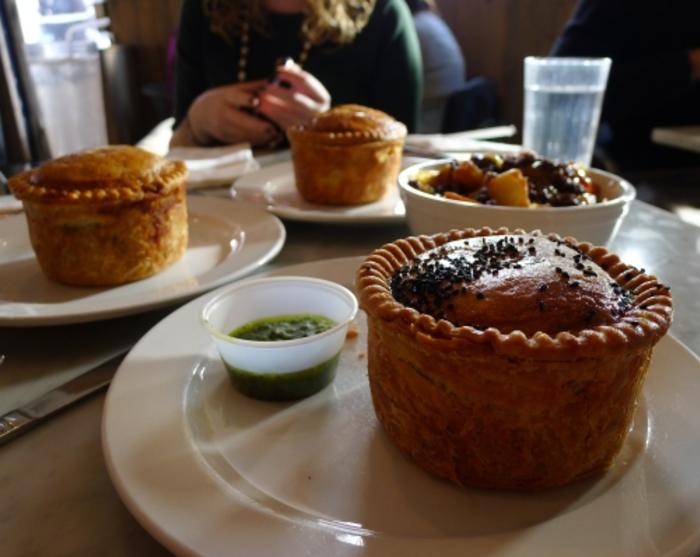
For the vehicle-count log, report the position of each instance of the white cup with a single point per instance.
(563, 98)
(256, 367)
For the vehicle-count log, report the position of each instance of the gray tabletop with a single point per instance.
(57, 498)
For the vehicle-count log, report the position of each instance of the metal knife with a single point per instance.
(17, 421)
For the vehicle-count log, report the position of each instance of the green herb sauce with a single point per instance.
(291, 385)
(284, 386)
(283, 327)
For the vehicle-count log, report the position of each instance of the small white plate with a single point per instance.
(227, 240)
(274, 187)
(210, 472)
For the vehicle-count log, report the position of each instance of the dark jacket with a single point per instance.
(649, 82)
(381, 68)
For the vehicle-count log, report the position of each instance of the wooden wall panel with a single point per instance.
(495, 36)
(148, 25)
(143, 29)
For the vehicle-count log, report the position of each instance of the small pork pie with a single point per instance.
(508, 360)
(348, 155)
(106, 216)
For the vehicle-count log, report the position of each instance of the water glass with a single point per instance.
(563, 98)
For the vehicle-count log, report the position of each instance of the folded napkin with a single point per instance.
(208, 166)
(215, 166)
(9, 205)
(465, 141)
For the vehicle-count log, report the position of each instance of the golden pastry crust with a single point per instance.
(349, 155)
(106, 216)
(349, 124)
(491, 407)
(112, 174)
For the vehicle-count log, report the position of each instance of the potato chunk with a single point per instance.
(459, 197)
(509, 188)
(467, 176)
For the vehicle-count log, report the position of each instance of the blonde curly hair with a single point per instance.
(326, 21)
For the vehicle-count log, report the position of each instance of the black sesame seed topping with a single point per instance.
(431, 282)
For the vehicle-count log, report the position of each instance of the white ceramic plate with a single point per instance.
(227, 241)
(273, 187)
(210, 472)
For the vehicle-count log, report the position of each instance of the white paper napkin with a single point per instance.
(215, 166)
(9, 205)
(465, 141)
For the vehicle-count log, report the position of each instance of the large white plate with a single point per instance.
(210, 472)
(227, 241)
(274, 187)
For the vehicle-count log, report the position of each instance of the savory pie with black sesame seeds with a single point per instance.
(505, 359)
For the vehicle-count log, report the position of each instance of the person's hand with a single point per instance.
(294, 97)
(225, 115)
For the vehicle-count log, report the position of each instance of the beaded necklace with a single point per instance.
(245, 49)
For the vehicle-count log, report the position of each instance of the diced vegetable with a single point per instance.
(467, 176)
(521, 181)
(509, 188)
(459, 197)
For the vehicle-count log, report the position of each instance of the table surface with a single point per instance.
(57, 498)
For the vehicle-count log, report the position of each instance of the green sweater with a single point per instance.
(381, 68)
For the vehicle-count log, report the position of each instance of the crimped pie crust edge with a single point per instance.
(643, 324)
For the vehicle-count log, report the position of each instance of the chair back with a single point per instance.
(473, 106)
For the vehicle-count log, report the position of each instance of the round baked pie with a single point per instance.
(348, 155)
(106, 216)
(508, 360)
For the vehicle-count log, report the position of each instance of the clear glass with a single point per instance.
(563, 98)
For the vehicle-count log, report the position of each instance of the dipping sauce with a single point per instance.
(289, 385)
(284, 386)
(283, 327)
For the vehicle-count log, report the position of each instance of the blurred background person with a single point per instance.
(444, 69)
(655, 75)
(231, 86)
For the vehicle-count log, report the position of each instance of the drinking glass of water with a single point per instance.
(563, 98)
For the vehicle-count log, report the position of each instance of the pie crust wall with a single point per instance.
(487, 408)
(106, 216)
(349, 155)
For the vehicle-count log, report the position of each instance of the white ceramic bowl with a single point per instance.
(286, 369)
(598, 224)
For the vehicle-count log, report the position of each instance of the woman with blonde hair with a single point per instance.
(231, 83)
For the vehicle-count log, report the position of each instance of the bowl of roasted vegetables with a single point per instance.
(516, 191)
